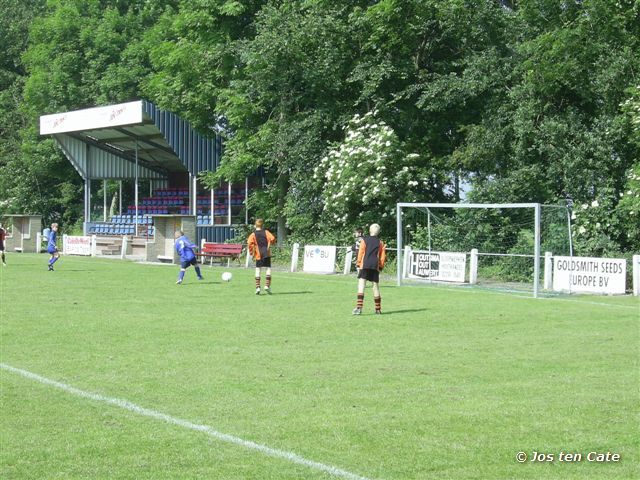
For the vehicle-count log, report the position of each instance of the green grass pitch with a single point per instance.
(447, 384)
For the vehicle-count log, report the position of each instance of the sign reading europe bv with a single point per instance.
(319, 259)
(588, 274)
(442, 266)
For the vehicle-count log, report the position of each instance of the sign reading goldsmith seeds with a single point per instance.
(589, 274)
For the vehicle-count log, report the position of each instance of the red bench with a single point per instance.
(230, 251)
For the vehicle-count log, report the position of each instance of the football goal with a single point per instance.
(493, 245)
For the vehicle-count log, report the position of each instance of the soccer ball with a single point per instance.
(226, 276)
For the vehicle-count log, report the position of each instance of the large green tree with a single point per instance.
(286, 81)
(528, 100)
(30, 174)
(272, 76)
(561, 132)
(62, 55)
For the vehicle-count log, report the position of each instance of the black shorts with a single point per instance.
(263, 262)
(186, 264)
(1, 245)
(369, 274)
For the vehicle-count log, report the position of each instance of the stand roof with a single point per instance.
(103, 142)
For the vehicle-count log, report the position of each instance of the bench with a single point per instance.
(230, 251)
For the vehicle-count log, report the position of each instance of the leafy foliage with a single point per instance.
(533, 100)
(66, 54)
(364, 176)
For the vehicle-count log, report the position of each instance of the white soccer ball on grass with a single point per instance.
(226, 276)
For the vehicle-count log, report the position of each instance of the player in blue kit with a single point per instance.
(187, 256)
(51, 246)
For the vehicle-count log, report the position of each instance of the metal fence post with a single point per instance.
(473, 266)
(123, 251)
(548, 271)
(636, 275)
(407, 261)
(348, 258)
(294, 257)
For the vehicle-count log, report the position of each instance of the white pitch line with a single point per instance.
(132, 407)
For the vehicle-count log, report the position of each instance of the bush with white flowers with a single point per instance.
(593, 226)
(364, 176)
(610, 223)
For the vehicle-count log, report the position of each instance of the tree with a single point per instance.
(364, 176)
(24, 185)
(560, 133)
(528, 100)
(433, 69)
(294, 75)
(66, 55)
(273, 75)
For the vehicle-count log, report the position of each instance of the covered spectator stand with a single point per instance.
(153, 157)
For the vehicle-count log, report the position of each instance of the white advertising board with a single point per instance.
(76, 245)
(92, 118)
(589, 274)
(441, 266)
(319, 259)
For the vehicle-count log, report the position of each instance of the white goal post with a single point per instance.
(450, 221)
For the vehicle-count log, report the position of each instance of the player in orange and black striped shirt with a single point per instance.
(371, 257)
(259, 245)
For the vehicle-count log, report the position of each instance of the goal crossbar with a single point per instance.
(468, 205)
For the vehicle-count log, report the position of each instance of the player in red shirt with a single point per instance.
(3, 235)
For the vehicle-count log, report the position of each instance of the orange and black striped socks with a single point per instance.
(257, 282)
(378, 301)
(360, 300)
(268, 281)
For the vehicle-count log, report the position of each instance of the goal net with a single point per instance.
(492, 245)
